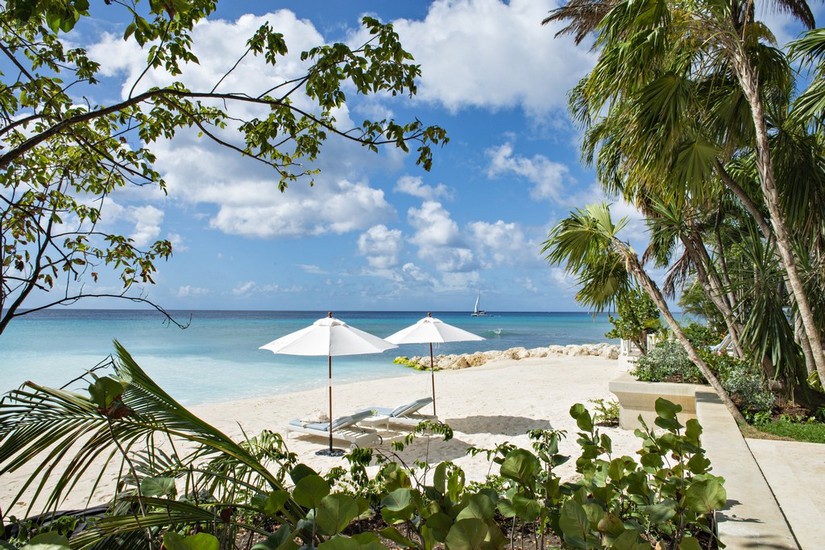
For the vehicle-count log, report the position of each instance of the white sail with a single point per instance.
(476, 311)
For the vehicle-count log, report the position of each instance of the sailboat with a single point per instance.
(478, 312)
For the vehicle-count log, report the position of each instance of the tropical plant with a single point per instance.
(679, 92)
(588, 244)
(63, 158)
(128, 428)
(638, 318)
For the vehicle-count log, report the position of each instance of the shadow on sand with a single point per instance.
(503, 425)
(434, 450)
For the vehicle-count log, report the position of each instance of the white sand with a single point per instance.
(485, 406)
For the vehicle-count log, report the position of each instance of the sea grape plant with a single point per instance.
(212, 493)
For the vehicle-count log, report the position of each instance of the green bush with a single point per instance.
(667, 362)
(701, 335)
(744, 383)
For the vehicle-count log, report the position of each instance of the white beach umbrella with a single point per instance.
(330, 337)
(430, 330)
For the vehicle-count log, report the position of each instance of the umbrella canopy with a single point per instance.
(328, 337)
(430, 330)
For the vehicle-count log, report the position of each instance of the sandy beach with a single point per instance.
(486, 405)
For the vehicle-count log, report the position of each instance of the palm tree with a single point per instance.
(652, 51)
(587, 243)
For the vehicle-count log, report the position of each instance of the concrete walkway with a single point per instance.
(776, 489)
(795, 472)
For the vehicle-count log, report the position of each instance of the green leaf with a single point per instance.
(105, 390)
(705, 495)
(506, 508)
(310, 491)
(467, 534)
(272, 503)
(661, 512)
(667, 409)
(399, 505)
(611, 525)
(336, 512)
(301, 471)
(395, 535)
(363, 541)
(528, 509)
(477, 506)
(522, 466)
(158, 487)
(582, 417)
(48, 541)
(437, 526)
(689, 543)
(199, 541)
(279, 540)
(630, 540)
(574, 525)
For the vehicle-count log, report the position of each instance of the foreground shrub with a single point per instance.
(214, 493)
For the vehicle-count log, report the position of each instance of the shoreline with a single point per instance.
(486, 405)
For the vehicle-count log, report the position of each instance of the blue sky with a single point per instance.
(376, 231)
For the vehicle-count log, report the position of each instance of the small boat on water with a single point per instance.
(476, 311)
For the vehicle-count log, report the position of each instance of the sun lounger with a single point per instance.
(343, 429)
(724, 347)
(405, 415)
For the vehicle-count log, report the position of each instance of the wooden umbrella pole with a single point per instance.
(432, 375)
(330, 403)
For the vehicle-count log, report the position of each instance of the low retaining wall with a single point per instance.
(639, 399)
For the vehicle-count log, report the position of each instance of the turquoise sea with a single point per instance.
(217, 358)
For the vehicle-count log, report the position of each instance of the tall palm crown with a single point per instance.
(583, 17)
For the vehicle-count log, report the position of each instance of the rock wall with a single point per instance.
(452, 361)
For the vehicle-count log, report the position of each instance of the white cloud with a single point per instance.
(189, 291)
(218, 44)
(252, 288)
(414, 185)
(244, 289)
(489, 53)
(415, 273)
(381, 246)
(549, 178)
(312, 269)
(439, 240)
(503, 244)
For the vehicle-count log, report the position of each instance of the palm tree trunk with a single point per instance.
(635, 267)
(713, 289)
(750, 87)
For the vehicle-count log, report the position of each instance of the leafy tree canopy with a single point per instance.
(65, 151)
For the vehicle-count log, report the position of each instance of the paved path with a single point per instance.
(795, 472)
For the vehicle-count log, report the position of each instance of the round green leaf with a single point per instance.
(528, 509)
(200, 541)
(467, 534)
(705, 495)
(310, 491)
(521, 465)
(336, 512)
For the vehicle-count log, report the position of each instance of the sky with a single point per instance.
(375, 232)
